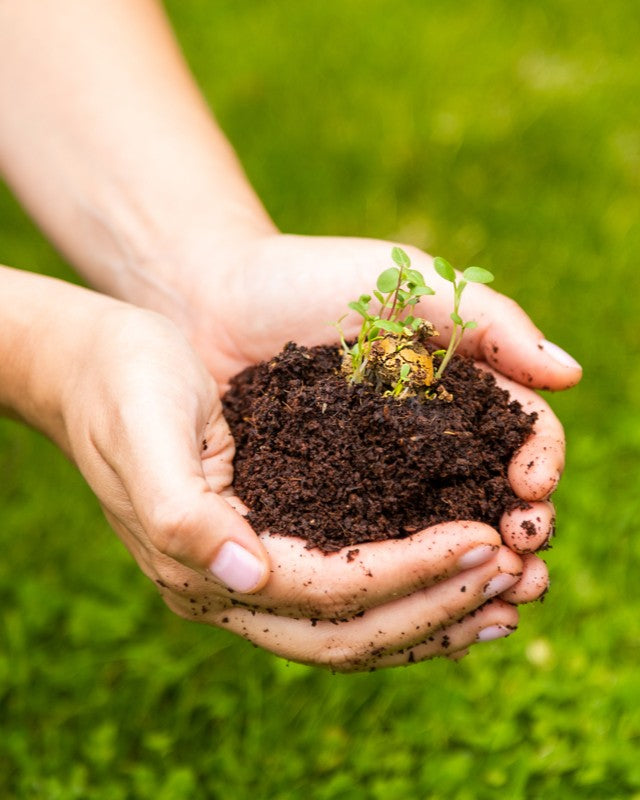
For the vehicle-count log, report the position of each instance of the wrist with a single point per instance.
(46, 327)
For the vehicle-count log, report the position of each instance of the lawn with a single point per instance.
(488, 131)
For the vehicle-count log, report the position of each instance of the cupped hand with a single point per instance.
(279, 288)
(143, 422)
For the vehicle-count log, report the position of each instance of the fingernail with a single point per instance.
(476, 556)
(558, 354)
(237, 568)
(499, 584)
(494, 632)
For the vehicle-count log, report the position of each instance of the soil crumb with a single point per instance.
(337, 464)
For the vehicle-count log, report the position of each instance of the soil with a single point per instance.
(338, 464)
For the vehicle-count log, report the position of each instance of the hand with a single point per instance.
(278, 288)
(143, 422)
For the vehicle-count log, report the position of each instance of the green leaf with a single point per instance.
(388, 280)
(408, 321)
(378, 296)
(414, 277)
(360, 308)
(420, 291)
(439, 353)
(470, 325)
(401, 258)
(389, 325)
(405, 369)
(477, 275)
(456, 318)
(364, 298)
(444, 269)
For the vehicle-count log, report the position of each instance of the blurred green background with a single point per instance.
(489, 131)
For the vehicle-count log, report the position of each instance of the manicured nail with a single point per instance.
(476, 556)
(559, 355)
(237, 568)
(493, 632)
(499, 584)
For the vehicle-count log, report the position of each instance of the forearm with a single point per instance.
(110, 146)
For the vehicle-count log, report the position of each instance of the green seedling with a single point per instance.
(390, 349)
(403, 380)
(470, 275)
(398, 290)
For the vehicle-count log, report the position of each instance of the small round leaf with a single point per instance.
(401, 258)
(414, 277)
(477, 275)
(444, 269)
(388, 280)
(389, 325)
(456, 318)
(420, 291)
(360, 308)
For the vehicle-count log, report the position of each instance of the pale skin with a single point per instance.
(113, 151)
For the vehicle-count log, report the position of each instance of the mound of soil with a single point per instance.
(338, 464)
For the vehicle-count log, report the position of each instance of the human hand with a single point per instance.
(144, 455)
(141, 417)
(279, 288)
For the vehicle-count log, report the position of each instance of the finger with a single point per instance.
(528, 530)
(495, 620)
(533, 584)
(183, 517)
(319, 585)
(350, 645)
(507, 339)
(535, 470)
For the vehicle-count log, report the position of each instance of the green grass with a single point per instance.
(492, 132)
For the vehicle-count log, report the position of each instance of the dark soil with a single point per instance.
(338, 464)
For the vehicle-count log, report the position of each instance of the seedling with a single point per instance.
(398, 290)
(390, 350)
(470, 275)
(402, 382)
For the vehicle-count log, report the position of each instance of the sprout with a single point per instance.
(470, 275)
(401, 360)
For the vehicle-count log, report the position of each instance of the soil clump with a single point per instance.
(338, 464)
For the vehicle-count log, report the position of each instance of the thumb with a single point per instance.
(181, 514)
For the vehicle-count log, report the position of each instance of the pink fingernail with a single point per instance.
(476, 556)
(237, 568)
(493, 632)
(559, 355)
(499, 584)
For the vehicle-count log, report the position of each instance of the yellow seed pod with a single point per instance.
(388, 355)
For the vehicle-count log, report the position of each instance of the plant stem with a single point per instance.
(453, 344)
(395, 296)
